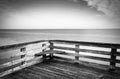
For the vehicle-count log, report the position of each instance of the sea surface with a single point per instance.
(12, 36)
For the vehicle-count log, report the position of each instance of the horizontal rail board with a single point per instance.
(3, 61)
(83, 50)
(33, 59)
(10, 54)
(85, 63)
(92, 57)
(20, 44)
(18, 64)
(10, 67)
(106, 45)
(49, 52)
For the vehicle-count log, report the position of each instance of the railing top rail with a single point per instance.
(97, 44)
(21, 44)
(107, 45)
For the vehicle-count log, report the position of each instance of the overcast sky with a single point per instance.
(55, 14)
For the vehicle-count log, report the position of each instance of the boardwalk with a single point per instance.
(61, 69)
(64, 64)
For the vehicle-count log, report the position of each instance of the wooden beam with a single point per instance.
(95, 44)
(113, 58)
(11, 67)
(5, 60)
(91, 57)
(83, 50)
(77, 52)
(51, 48)
(20, 44)
(49, 52)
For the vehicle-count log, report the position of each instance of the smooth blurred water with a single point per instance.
(92, 35)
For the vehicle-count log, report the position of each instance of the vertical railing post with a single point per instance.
(23, 50)
(113, 58)
(51, 48)
(44, 56)
(77, 52)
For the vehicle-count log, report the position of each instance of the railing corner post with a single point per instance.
(51, 48)
(44, 56)
(77, 52)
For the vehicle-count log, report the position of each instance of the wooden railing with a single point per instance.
(77, 48)
(18, 56)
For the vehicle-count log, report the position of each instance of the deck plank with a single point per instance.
(56, 69)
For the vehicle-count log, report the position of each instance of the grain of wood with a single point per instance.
(57, 69)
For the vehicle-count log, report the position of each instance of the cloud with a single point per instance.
(108, 7)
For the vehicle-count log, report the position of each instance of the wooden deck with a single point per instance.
(61, 69)
(67, 66)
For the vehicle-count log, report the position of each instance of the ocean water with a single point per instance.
(89, 35)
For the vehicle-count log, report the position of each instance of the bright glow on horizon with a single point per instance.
(53, 19)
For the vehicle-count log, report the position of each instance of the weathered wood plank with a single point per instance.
(51, 48)
(83, 50)
(61, 69)
(9, 53)
(106, 45)
(5, 60)
(113, 58)
(85, 63)
(91, 57)
(49, 52)
(77, 52)
(11, 67)
(20, 45)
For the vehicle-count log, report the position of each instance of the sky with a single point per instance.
(59, 14)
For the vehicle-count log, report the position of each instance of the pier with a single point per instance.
(51, 59)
